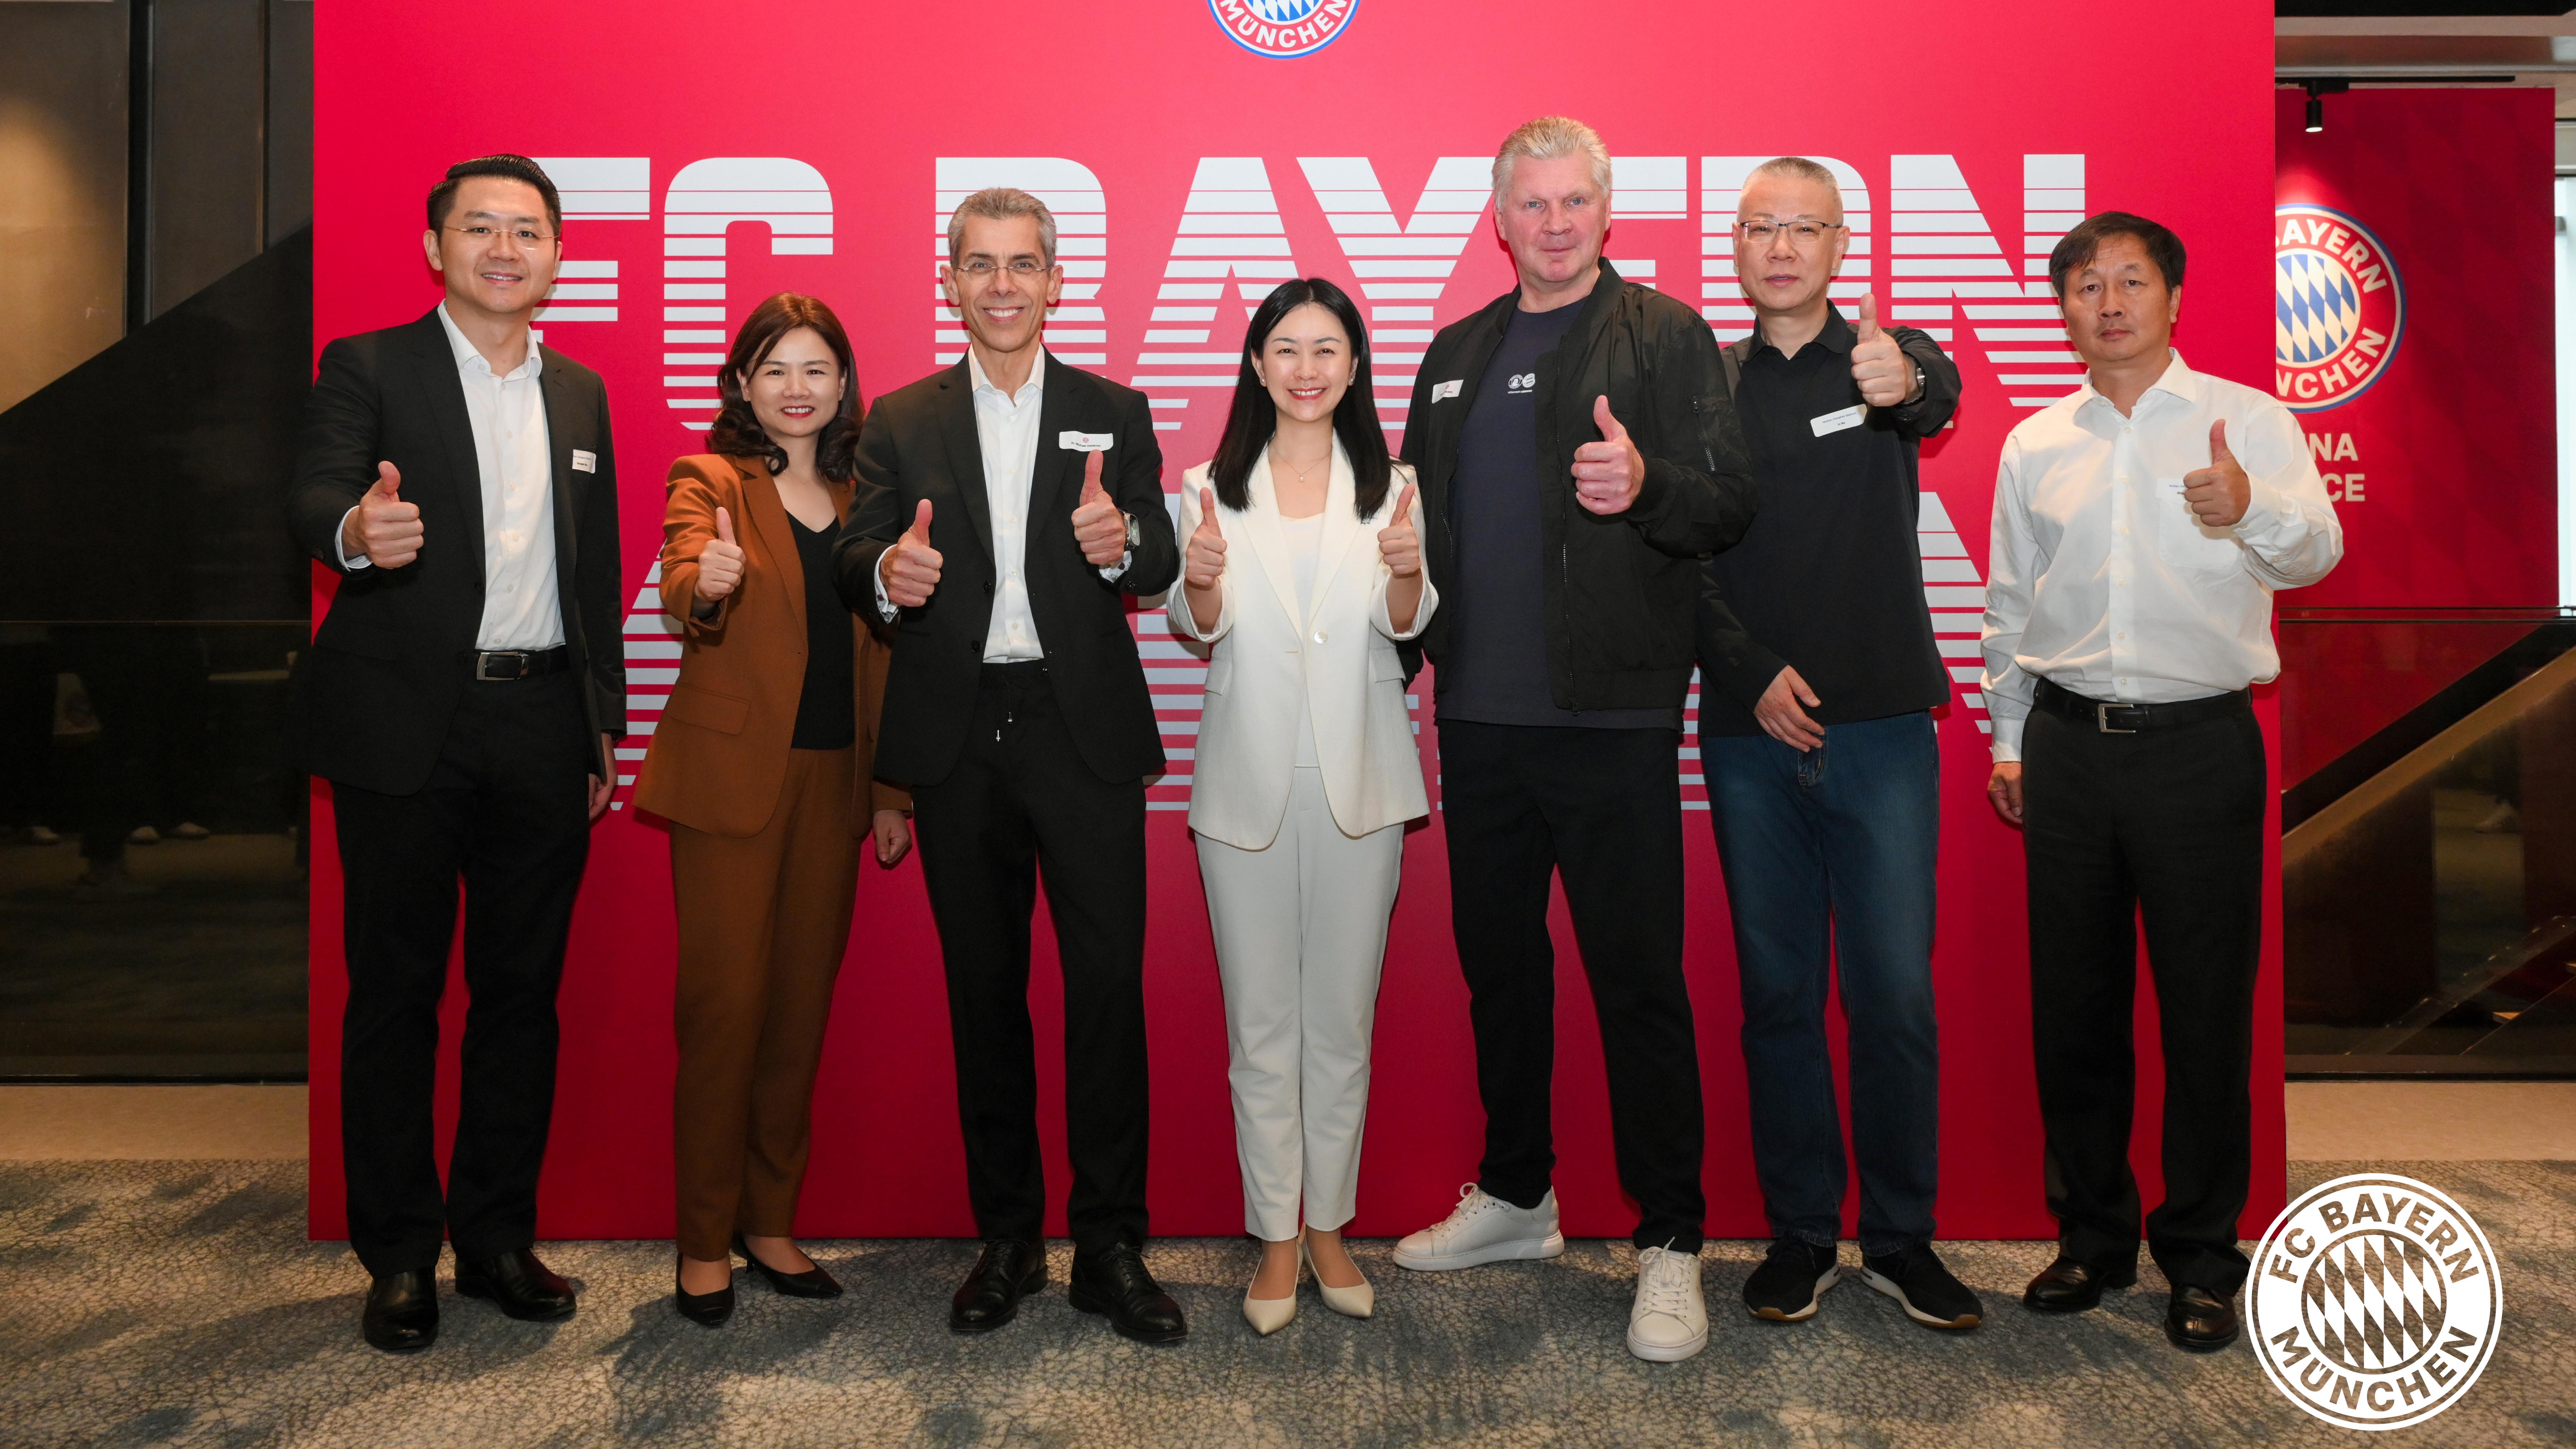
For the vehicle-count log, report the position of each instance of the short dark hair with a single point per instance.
(737, 431)
(1253, 418)
(442, 197)
(2077, 248)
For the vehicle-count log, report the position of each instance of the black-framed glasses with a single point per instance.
(1802, 232)
(520, 234)
(981, 268)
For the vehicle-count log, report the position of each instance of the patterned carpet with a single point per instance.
(178, 1303)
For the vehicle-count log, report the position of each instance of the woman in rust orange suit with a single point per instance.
(761, 766)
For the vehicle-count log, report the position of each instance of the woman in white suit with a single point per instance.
(1303, 568)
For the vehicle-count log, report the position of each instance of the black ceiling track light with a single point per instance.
(2317, 91)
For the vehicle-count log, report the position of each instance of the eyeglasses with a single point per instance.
(981, 268)
(519, 234)
(1802, 232)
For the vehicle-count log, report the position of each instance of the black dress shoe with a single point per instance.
(402, 1311)
(1113, 1281)
(2071, 1285)
(2199, 1321)
(705, 1309)
(812, 1283)
(1009, 1270)
(518, 1285)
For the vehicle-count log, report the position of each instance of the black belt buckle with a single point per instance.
(2102, 717)
(521, 660)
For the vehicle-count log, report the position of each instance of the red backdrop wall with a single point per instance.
(710, 158)
(2445, 465)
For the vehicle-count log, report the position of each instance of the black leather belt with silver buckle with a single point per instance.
(506, 664)
(2128, 719)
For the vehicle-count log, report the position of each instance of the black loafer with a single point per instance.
(704, 1309)
(2071, 1285)
(518, 1285)
(1008, 1270)
(1114, 1282)
(2199, 1321)
(812, 1283)
(402, 1312)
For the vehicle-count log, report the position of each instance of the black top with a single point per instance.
(827, 713)
(1495, 668)
(1830, 577)
(373, 697)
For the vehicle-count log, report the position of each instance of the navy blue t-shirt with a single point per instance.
(1495, 668)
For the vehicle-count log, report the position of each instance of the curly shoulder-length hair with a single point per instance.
(737, 433)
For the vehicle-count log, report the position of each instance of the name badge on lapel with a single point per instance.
(584, 462)
(1443, 391)
(1835, 422)
(1086, 442)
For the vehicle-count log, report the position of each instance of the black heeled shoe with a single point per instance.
(707, 1310)
(812, 1283)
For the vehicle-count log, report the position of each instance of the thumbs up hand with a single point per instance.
(719, 562)
(2219, 494)
(382, 526)
(1098, 526)
(1399, 544)
(1879, 367)
(910, 569)
(1608, 474)
(1204, 561)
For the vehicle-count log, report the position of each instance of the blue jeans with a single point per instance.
(1828, 856)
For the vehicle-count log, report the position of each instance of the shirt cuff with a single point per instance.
(2264, 510)
(2006, 746)
(340, 546)
(885, 606)
(1118, 570)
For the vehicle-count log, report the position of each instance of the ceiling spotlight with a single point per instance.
(2316, 114)
(2317, 91)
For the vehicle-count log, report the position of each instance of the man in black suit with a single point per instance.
(1016, 711)
(460, 698)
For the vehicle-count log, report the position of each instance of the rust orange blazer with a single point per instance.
(719, 757)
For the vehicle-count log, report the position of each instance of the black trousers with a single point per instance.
(506, 812)
(2166, 824)
(1021, 802)
(1601, 810)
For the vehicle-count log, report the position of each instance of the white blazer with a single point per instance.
(1342, 652)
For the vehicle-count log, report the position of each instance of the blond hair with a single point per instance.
(1000, 203)
(1551, 138)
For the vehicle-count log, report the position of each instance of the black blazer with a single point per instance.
(372, 698)
(920, 442)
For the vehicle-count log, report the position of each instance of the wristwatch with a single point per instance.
(1135, 535)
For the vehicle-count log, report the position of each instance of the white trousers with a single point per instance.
(1300, 936)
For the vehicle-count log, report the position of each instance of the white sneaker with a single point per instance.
(1483, 1230)
(1669, 1321)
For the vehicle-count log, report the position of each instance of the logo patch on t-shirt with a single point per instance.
(1522, 382)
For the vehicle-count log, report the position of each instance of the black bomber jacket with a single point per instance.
(1621, 590)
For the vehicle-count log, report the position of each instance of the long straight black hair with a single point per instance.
(1254, 417)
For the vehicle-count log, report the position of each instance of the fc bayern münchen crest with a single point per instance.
(1283, 29)
(2339, 305)
(2373, 1302)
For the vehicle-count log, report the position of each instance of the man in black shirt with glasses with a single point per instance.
(1818, 670)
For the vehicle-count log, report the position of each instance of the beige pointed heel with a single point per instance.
(1359, 1302)
(1269, 1315)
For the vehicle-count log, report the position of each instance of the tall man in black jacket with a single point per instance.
(1818, 668)
(460, 697)
(1578, 455)
(1005, 506)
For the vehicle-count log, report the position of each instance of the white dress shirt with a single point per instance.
(1006, 433)
(515, 460)
(2101, 580)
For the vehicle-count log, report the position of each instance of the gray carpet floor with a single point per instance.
(178, 1303)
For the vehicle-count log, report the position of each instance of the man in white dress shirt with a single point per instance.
(1006, 507)
(2140, 528)
(459, 697)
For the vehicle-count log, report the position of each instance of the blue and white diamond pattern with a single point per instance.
(2317, 309)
